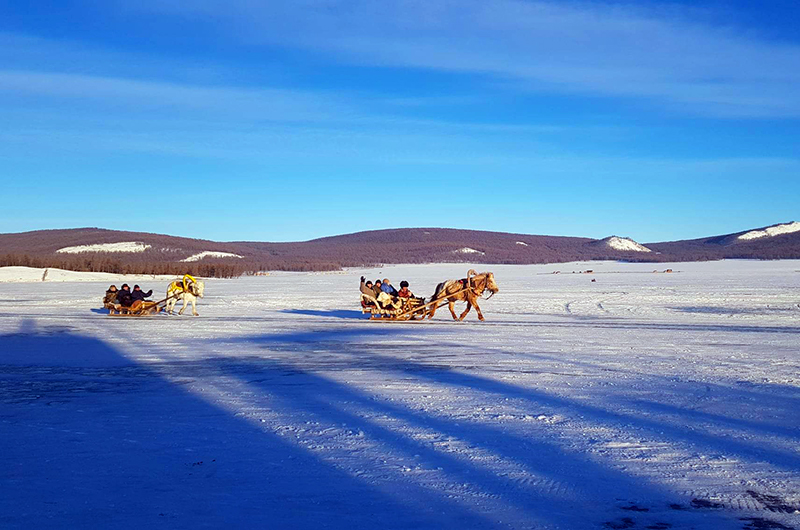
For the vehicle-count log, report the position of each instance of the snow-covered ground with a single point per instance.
(31, 274)
(639, 400)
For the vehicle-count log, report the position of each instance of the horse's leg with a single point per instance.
(469, 306)
(451, 305)
(185, 303)
(194, 306)
(478, 309)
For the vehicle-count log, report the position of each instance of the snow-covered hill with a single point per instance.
(772, 231)
(210, 254)
(138, 247)
(101, 249)
(124, 246)
(468, 250)
(625, 244)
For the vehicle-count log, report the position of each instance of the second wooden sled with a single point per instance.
(139, 308)
(412, 308)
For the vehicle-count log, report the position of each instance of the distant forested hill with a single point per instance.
(97, 249)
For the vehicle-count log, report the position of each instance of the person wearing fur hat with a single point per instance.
(404, 292)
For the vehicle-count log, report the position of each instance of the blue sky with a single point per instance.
(250, 120)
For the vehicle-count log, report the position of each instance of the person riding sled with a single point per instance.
(124, 296)
(366, 287)
(138, 294)
(388, 288)
(110, 299)
(404, 292)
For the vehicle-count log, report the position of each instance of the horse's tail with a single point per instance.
(439, 289)
(435, 298)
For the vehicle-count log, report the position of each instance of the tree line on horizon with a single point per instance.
(365, 249)
(210, 269)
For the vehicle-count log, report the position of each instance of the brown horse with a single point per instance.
(467, 290)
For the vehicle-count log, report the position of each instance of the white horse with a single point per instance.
(187, 289)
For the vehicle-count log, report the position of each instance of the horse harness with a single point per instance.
(184, 285)
(466, 283)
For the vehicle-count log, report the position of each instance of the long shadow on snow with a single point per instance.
(703, 417)
(789, 460)
(540, 457)
(727, 311)
(599, 322)
(556, 490)
(90, 439)
(788, 395)
(442, 374)
(333, 313)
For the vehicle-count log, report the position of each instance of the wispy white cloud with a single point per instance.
(262, 103)
(134, 99)
(599, 49)
(337, 148)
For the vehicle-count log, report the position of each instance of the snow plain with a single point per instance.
(639, 400)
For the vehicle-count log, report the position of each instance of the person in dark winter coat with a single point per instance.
(124, 297)
(138, 294)
(377, 288)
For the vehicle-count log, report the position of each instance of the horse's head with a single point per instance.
(198, 288)
(490, 286)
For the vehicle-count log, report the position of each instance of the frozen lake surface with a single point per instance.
(639, 400)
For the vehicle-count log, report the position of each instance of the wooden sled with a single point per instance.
(412, 308)
(139, 308)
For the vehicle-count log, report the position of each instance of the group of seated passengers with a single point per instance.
(384, 292)
(124, 297)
